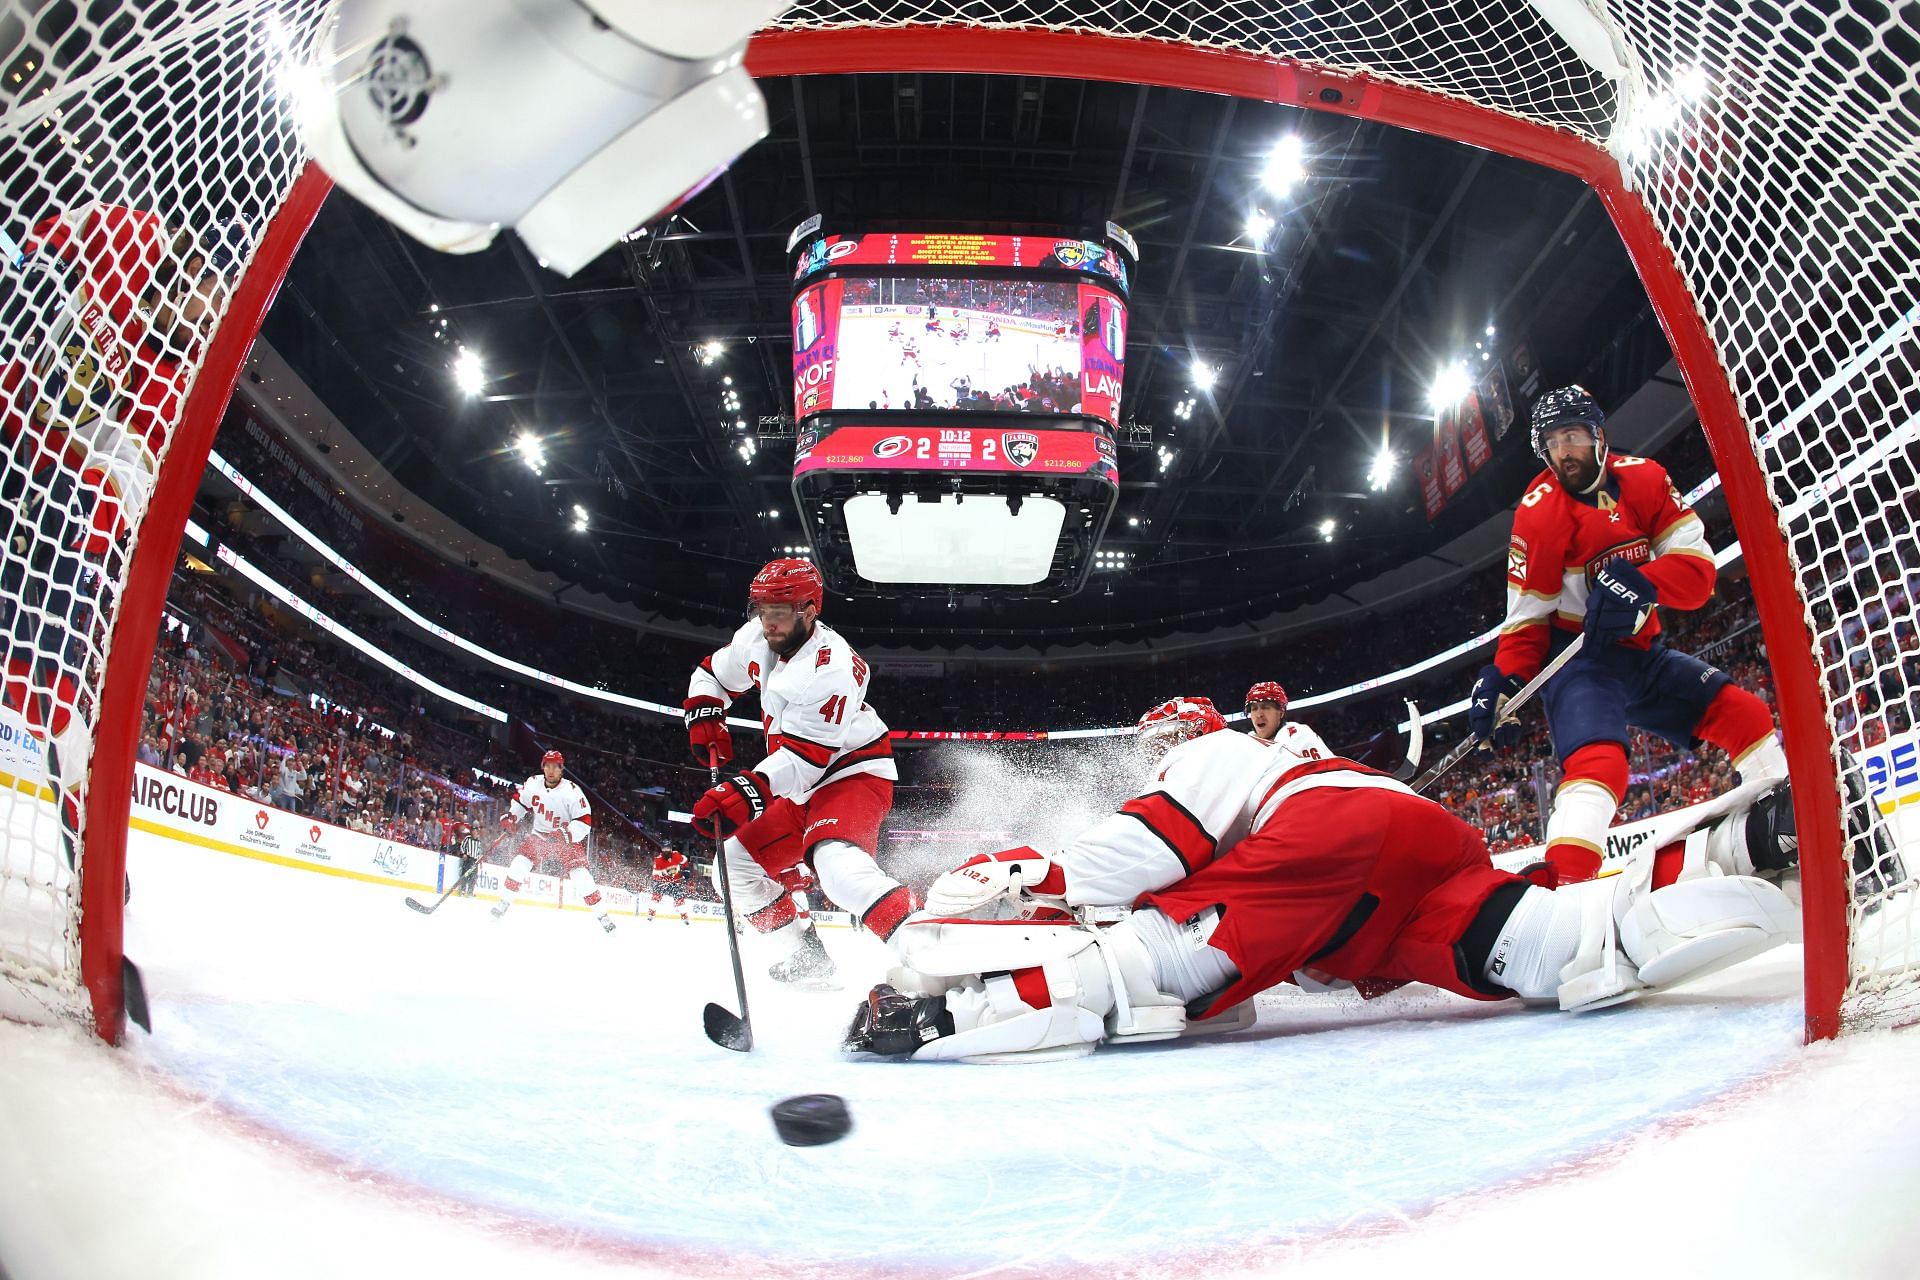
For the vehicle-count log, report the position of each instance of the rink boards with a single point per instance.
(183, 812)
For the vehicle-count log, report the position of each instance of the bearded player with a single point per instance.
(557, 818)
(1246, 867)
(1601, 542)
(825, 785)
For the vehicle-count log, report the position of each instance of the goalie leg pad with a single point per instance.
(992, 1024)
(1696, 927)
(992, 977)
(1599, 975)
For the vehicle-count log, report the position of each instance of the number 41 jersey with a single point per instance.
(813, 707)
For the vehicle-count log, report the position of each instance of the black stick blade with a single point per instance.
(421, 907)
(727, 1030)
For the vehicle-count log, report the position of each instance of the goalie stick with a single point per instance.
(724, 1028)
(1507, 709)
(461, 879)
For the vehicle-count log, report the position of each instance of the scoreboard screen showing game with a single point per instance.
(867, 341)
(955, 399)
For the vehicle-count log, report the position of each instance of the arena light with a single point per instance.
(1380, 475)
(1260, 225)
(1285, 165)
(469, 372)
(579, 519)
(1202, 375)
(413, 616)
(1450, 386)
(532, 452)
(1326, 530)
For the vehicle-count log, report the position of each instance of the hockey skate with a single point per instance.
(809, 968)
(606, 921)
(499, 908)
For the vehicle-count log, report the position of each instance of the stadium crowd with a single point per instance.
(249, 697)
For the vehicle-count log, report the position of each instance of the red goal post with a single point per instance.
(1758, 164)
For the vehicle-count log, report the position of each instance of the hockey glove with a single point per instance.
(1620, 603)
(509, 820)
(731, 805)
(1491, 689)
(707, 735)
(987, 876)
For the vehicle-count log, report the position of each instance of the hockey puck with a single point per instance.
(812, 1119)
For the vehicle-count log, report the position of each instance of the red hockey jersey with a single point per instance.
(1561, 539)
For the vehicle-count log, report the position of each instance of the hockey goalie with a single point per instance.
(571, 122)
(1246, 866)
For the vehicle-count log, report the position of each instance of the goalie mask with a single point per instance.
(1175, 721)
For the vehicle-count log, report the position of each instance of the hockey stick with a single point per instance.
(1507, 710)
(1416, 742)
(723, 1028)
(454, 888)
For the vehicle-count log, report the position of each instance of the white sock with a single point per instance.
(1764, 763)
(517, 872)
(849, 875)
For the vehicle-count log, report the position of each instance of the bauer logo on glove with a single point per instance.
(731, 805)
(707, 735)
(1622, 600)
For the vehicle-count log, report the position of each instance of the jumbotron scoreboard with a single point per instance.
(955, 396)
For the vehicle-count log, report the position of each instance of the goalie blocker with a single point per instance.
(1326, 875)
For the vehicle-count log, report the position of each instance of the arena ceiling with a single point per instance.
(1395, 254)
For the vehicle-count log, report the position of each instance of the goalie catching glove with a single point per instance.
(731, 805)
(987, 876)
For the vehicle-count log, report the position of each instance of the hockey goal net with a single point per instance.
(1760, 162)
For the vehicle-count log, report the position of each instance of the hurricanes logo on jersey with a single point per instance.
(1021, 447)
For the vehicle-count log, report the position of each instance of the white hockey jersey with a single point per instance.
(1208, 794)
(1296, 739)
(561, 810)
(812, 706)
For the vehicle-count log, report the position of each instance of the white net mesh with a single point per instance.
(1774, 144)
(1777, 147)
(142, 152)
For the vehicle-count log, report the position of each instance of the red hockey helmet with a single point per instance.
(1176, 721)
(1268, 691)
(790, 582)
(553, 757)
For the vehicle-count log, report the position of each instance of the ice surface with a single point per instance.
(339, 1086)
